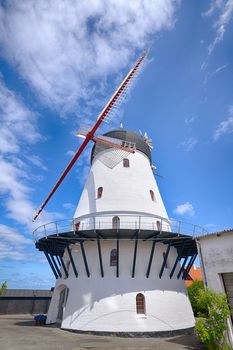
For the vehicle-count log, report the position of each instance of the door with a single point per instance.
(62, 303)
(228, 284)
(116, 222)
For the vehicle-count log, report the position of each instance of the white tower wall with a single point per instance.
(109, 303)
(126, 191)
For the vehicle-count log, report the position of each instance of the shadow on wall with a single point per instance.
(117, 312)
(91, 193)
(95, 296)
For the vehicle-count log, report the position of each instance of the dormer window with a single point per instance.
(126, 163)
(99, 192)
(152, 195)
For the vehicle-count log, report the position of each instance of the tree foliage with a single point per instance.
(193, 292)
(212, 311)
(3, 287)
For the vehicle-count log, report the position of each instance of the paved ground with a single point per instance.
(18, 332)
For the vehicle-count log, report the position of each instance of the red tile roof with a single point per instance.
(194, 275)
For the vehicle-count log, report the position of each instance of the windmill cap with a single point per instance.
(129, 136)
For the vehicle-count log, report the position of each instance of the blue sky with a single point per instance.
(61, 63)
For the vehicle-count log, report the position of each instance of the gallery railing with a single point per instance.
(118, 222)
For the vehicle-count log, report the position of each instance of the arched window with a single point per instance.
(140, 303)
(158, 224)
(77, 225)
(152, 195)
(125, 163)
(99, 192)
(115, 222)
(113, 257)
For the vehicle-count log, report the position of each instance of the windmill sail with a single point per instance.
(114, 103)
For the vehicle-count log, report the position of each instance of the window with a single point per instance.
(99, 192)
(167, 262)
(140, 303)
(115, 222)
(152, 195)
(113, 257)
(77, 226)
(158, 225)
(125, 163)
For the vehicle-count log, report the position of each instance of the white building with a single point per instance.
(120, 264)
(216, 257)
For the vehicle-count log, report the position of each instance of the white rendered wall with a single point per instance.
(124, 189)
(109, 303)
(217, 253)
(217, 256)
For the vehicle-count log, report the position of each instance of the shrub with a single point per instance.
(213, 311)
(3, 287)
(193, 292)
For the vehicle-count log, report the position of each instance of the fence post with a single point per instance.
(73, 226)
(194, 229)
(45, 232)
(179, 227)
(161, 225)
(56, 228)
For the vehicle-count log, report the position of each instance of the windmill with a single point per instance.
(120, 262)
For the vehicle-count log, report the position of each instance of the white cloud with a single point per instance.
(70, 209)
(18, 128)
(12, 236)
(216, 71)
(225, 15)
(219, 69)
(225, 127)
(18, 123)
(190, 119)
(215, 4)
(189, 144)
(183, 209)
(70, 153)
(12, 243)
(62, 49)
(36, 160)
(18, 131)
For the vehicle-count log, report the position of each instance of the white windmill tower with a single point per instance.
(119, 264)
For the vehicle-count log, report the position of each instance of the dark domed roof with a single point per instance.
(129, 136)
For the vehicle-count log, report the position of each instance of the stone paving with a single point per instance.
(18, 332)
